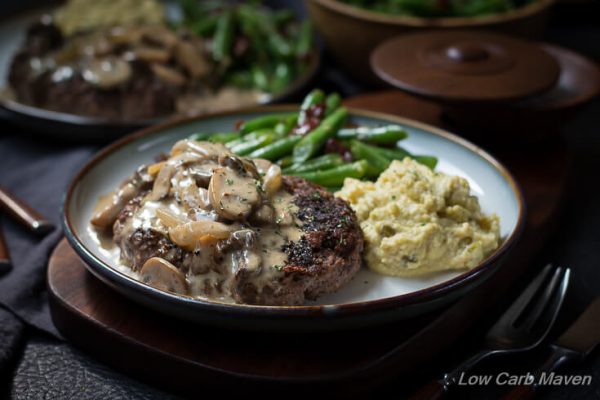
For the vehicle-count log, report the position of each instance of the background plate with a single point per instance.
(96, 129)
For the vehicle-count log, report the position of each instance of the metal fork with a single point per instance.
(522, 327)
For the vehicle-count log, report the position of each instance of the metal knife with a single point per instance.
(573, 346)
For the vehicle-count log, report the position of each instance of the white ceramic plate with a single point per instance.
(370, 297)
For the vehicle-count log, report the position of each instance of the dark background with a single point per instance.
(36, 365)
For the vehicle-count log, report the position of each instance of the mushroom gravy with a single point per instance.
(229, 215)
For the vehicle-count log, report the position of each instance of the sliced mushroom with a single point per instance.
(239, 165)
(191, 233)
(262, 165)
(232, 196)
(159, 35)
(272, 180)
(161, 274)
(169, 219)
(109, 211)
(191, 59)
(107, 73)
(168, 75)
(162, 184)
(122, 35)
(205, 149)
(151, 54)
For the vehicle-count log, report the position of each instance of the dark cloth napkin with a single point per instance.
(38, 172)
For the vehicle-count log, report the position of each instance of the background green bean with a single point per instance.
(253, 46)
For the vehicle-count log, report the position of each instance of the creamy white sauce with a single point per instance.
(260, 261)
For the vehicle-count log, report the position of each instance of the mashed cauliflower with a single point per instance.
(416, 221)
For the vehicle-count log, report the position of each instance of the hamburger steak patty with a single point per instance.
(326, 257)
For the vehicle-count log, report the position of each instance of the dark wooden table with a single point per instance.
(47, 368)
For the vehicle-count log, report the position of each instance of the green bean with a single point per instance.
(400, 153)
(389, 134)
(285, 161)
(276, 150)
(377, 161)
(260, 79)
(223, 39)
(205, 26)
(394, 154)
(314, 141)
(265, 121)
(200, 136)
(277, 43)
(283, 128)
(252, 32)
(283, 77)
(224, 137)
(221, 137)
(304, 39)
(334, 177)
(241, 79)
(283, 16)
(332, 103)
(429, 161)
(249, 146)
(325, 161)
(315, 97)
(256, 134)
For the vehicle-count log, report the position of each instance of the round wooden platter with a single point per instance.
(191, 359)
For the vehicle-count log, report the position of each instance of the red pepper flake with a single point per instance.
(310, 119)
(335, 146)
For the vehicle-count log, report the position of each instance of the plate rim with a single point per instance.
(105, 272)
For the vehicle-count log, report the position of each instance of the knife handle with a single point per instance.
(433, 390)
(521, 392)
(558, 357)
(23, 213)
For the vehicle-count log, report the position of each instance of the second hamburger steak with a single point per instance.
(209, 224)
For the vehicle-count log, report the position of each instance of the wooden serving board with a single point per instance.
(192, 359)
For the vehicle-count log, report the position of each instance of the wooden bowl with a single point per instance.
(351, 33)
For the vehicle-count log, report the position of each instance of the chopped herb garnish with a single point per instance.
(278, 267)
(229, 181)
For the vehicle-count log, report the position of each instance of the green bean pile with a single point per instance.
(439, 8)
(253, 47)
(315, 143)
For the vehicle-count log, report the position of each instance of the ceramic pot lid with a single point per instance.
(465, 66)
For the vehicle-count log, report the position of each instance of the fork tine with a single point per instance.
(546, 320)
(541, 302)
(524, 298)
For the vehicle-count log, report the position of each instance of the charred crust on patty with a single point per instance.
(326, 257)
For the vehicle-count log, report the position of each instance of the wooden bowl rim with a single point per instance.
(536, 7)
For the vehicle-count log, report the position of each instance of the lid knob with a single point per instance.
(467, 52)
